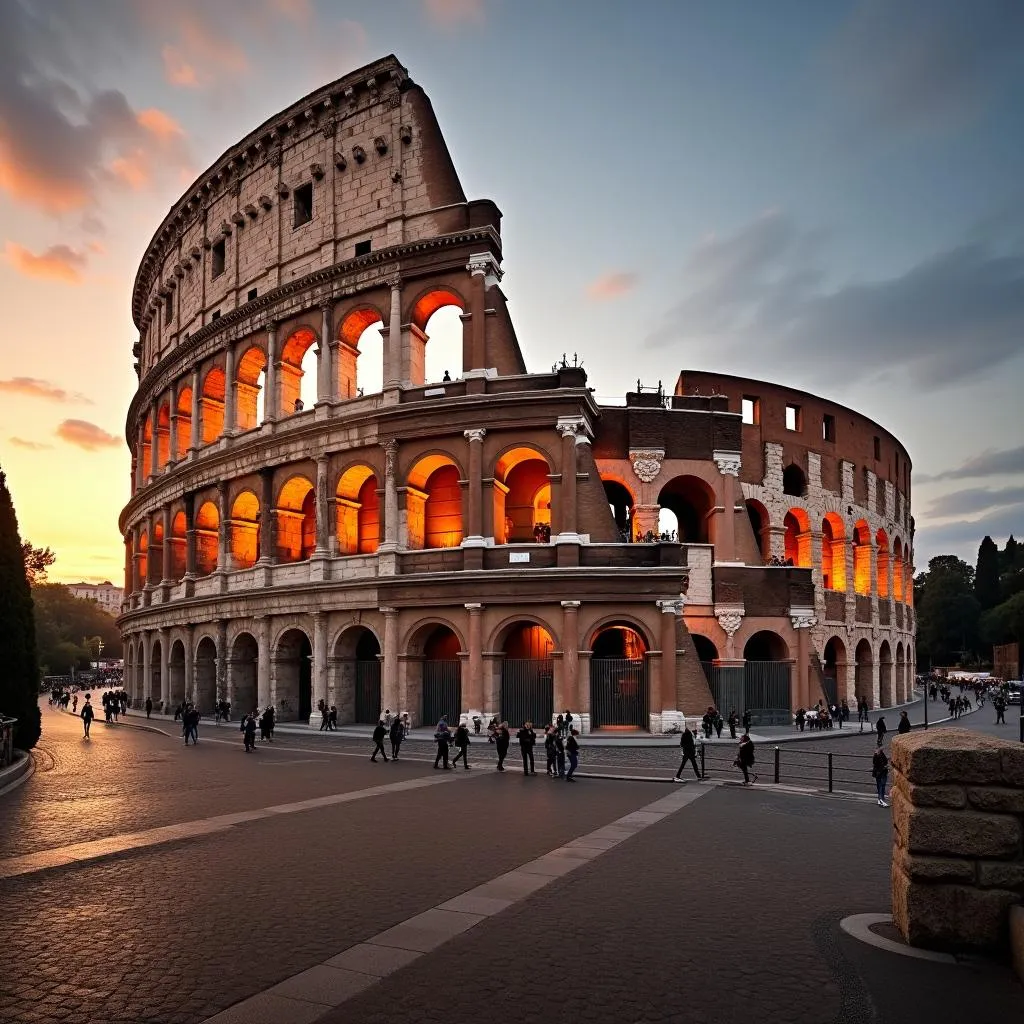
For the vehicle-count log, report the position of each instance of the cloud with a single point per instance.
(974, 499)
(924, 65)
(454, 12)
(32, 446)
(988, 463)
(962, 536)
(33, 387)
(58, 263)
(612, 285)
(955, 316)
(86, 435)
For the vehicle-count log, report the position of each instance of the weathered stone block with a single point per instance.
(931, 796)
(1017, 940)
(933, 869)
(952, 756)
(1005, 800)
(997, 874)
(957, 833)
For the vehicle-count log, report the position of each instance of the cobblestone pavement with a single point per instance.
(743, 888)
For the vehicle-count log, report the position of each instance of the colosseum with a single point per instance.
(494, 542)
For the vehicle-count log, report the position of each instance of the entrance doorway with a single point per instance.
(527, 675)
(618, 680)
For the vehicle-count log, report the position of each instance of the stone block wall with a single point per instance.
(958, 829)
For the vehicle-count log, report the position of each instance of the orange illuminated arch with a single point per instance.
(798, 537)
(184, 422)
(146, 447)
(251, 367)
(882, 556)
(897, 570)
(358, 511)
(156, 552)
(522, 496)
(434, 503)
(833, 552)
(211, 405)
(862, 557)
(207, 530)
(429, 303)
(360, 353)
(163, 435)
(296, 520)
(142, 553)
(244, 537)
(294, 367)
(178, 542)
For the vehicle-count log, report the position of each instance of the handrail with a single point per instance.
(7, 725)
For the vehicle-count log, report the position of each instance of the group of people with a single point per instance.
(394, 728)
(744, 755)
(712, 721)
(264, 720)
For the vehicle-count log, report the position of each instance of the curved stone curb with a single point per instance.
(858, 926)
(18, 773)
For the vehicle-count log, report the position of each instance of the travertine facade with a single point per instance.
(470, 546)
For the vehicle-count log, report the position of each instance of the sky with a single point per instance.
(827, 194)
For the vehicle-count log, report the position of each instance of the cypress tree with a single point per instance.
(19, 667)
(986, 575)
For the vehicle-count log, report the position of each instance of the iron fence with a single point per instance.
(760, 687)
(7, 740)
(367, 676)
(527, 690)
(442, 690)
(619, 693)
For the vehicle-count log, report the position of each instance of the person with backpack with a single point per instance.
(461, 742)
(396, 734)
(87, 715)
(880, 771)
(378, 742)
(689, 746)
(745, 759)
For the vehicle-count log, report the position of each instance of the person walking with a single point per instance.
(249, 732)
(904, 725)
(880, 771)
(192, 723)
(999, 704)
(560, 754)
(502, 741)
(442, 737)
(745, 759)
(746, 722)
(461, 745)
(568, 722)
(396, 734)
(733, 722)
(880, 731)
(332, 719)
(378, 741)
(527, 738)
(719, 722)
(149, 706)
(549, 750)
(572, 749)
(689, 746)
(324, 714)
(87, 715)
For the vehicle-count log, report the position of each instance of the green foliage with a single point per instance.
(19, 667)
(1004, 623)
(986, 576)
(37, 562)
(67, 627)
(947, 612)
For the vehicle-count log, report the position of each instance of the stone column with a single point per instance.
(147, 666)
(474, 518)
(168, 550)
(670, 715)
(222, 661)
(137, 581)
(154, 448)
(271, 401)
(728, 464)
(478, 267)
(190, 663)
(319, 666)
(573, 432)
(165, 668)
(190, 536)
(393, 344)
(390, 542)
(196, 439)
(266, 552)
(263, 660)
(224, 534)
(230, 393)
(389, 695)
(129, 566)
(777, 541)
(323, 519)
(140, 462)
(324, 376)
(172, 434)
(567, 695)
(473, 693)
(802, 619)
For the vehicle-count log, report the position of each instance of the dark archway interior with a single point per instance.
(619, 642)
(765, 646)
(706, 650)
(621, 502)
(793, 481)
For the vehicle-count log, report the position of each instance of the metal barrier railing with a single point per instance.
(827, 769)
(7, 740)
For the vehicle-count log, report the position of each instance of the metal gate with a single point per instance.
(766, 691)
(527, 690)
(618, 693)
(831, 688)
(442, 691)
(368, 709)
(726, 685)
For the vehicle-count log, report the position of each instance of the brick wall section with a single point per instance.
(593, 515)
(693, 695)
(958, 858)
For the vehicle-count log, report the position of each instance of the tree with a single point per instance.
(19, 667)
(947, 612)
(986, 576)
(1004, 623)
(37, 562)
(65, 627)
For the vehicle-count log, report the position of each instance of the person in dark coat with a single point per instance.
(396, 735)
(733, 722)
(572, 749)
(746, 721)
(880, 729)
(461, 745)
(560, 754)
(880, 771)
(149, 706)
(87, 715)
(502, 740)
(689, 745)
(249, 732)
(904, 724)
(745, 758)
(549, 750)
(378, 741)
(442, 737)
(527, 738)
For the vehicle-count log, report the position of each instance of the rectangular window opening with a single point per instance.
(363, 248)
(218, 254)
(828, 428)
(216, 315)
(302, 204)
(878, 449)
(253, 292)
(793, 418)
(750, 409)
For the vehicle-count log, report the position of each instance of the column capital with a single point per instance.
(730, 619)
(802, 618)
(571, 605)
(574, 426)
(473, 607)
(390, 455)
(484, 264)
(475, 434)
(646, 463)
(728, 463)
(673, 606)
(394, 281)
(388, 611)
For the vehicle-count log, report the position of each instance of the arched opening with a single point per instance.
(296, 520)
(184, 437)
(882, 557)
(766, 679)
(297, 375)
(155, 661)
(163, 435)
(434, 504)
(833, 552)
(862, 558)
(211, 406)
(901, 679)
(908, 578)
(619, 696)
(798, 538)
(897, 570)
(441, 681)
(759, 523)
(207, 533)
(834, 670)
(527, 675)
(206, 675)
(243, 669)
(690, 501)
(863, 683)
(179, 546)
(794, 482)
(293, 677)
(522, 497)
(146, 448)
(356, 689)
(142, 554)
(156, 553)
(886, 698)
(251, 382)
(621, 503)
(244, 536)
(176, 669)
(360, 354)
(707, 652)
(357, 507)
(436, 318)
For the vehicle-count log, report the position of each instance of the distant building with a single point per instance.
(105, 594)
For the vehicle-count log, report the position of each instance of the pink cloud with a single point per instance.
(33, 387)
(32, 446)
(454, 12)
(86, 435)
(177, 69)
(160, 124)
(58, 263)
(612, 285)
